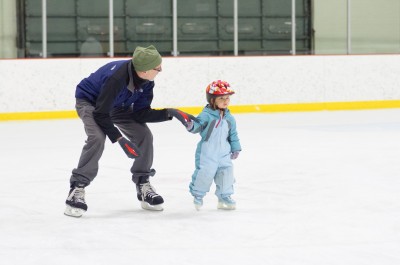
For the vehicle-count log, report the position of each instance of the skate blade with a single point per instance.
(224, 206)
(73, 212)
(146, 206)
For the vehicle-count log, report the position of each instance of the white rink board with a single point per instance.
(49, 84)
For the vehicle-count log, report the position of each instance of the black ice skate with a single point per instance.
(148, 197)
(76, 204)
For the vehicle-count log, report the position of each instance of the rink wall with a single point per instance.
(44, 88)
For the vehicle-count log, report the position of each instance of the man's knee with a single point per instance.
(97, 140)
(147, 136)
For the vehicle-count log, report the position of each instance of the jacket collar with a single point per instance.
(214, 112)
(135, 82)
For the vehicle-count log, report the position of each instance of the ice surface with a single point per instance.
(312, 188)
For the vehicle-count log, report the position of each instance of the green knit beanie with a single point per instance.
(145, 59)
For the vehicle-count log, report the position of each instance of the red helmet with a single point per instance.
(218, 88)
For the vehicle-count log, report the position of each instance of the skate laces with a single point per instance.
(148, 190)
(78, 195)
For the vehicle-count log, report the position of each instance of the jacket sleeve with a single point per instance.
(233, 138)
(142, 111)
(111, 88)
(151, 115)
(200, 124)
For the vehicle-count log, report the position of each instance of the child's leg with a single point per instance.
(206, 167)
(202, 179)
(224, 181)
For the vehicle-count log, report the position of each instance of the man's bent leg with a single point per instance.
(88, 163)
(141, 170)
(92, 151)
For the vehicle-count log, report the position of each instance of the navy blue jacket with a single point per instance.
(117, 86)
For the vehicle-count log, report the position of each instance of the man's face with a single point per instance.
(150, 74)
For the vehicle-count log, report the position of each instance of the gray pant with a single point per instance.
(92, 151)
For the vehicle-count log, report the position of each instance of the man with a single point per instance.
(117, 98)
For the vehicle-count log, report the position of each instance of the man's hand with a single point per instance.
(130, 149)
(183, 117)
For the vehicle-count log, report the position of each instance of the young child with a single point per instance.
(218, 145)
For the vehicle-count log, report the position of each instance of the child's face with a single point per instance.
(222, 102)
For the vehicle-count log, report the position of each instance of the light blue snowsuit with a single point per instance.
(219, 139)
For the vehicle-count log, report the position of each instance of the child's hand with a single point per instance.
(235, 155)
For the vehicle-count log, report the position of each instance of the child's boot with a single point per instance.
(226, 203)
(198, 202)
